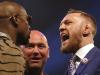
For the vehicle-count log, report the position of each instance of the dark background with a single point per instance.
(46, 16)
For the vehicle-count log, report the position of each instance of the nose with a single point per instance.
(35, 50)
(62, 28)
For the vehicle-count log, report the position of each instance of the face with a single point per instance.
(37, 51)
(23, 27)
(71, 32)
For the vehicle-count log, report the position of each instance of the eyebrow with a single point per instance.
(63, 21)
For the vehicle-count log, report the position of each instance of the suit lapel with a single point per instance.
(83, 65)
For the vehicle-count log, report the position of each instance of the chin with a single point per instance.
(35, 66)
(66, 49)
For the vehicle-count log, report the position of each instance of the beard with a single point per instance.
(21, 39)
(71, 47)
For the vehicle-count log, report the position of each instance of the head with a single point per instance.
(14, 21)
(77, 29)
(37, 50)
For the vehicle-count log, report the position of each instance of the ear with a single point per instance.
(48, 53)
(13, 20)
(86, 30)
(22, 46)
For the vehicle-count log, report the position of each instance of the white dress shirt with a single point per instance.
(81, 53)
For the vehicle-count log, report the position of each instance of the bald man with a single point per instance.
(13, 27)
(36, 53)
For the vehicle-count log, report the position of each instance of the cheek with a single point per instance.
(27, 52)
(76, 37)
(75, 32)
(44, 53)
(24, 28)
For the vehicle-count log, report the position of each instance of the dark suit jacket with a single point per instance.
(93, 65)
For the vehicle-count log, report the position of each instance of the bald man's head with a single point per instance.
(35, 34)
(36, 51)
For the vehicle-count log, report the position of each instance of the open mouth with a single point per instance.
(35, 58)
(65, 37)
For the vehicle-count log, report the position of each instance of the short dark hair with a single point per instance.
(87, 16)
(7, 11)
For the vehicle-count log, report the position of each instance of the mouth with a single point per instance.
(35, 59)
(65, 37)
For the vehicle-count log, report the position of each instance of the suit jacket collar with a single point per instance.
(90, 57)
(82, 52)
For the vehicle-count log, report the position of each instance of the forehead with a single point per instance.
(11, 9)
(23, 12)
(36, 37)
(72, 16)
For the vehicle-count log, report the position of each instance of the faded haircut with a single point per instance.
(89, 17)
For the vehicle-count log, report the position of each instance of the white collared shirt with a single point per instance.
(82, 52)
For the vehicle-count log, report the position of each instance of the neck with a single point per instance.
(10, 33)
(8, 29)
(86, 41)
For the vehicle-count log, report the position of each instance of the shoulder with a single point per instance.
(96, 53)
(95, 50)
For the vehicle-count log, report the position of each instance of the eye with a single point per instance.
(41, 46)
(30, 45)
(66, 22)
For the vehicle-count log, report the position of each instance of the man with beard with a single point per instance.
(77, 31)
(13, 26)
(36, 53)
